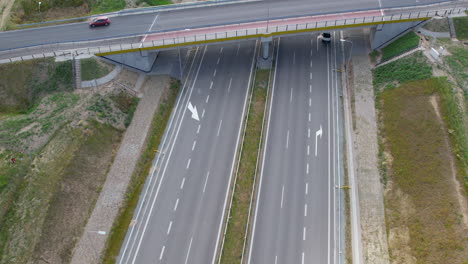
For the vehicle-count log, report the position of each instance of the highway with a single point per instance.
(180, 212)
(294, 219)
(191, 18)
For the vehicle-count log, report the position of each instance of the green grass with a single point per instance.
(420, 169)
(236, 229)
(458, 64)
(91, 69)
(23, 84)
(105, 6)
(437, 25)
(411, 68)
(127, 104)
(461, 27)
(154, 2)
(158, 125)
(406, 42)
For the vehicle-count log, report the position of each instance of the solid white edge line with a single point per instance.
(165, 167)
(177, 113)
(234, 156)
(263, 158)
(328, 132)
(354, 196)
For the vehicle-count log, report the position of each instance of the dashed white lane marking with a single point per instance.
(219, 127)
(176, 204)
(193, 145)
(207, 98)
(211, 85)
(305, 210)
(311, 76)
(206, 181)
(188, 251)
(188, 163)
(311, 50)
(221, 50)
(310, 63)
(276, 259)
(218, 60)
(308, 132)
(229, 87)
(169, 228)
(307, 188)
(308, 150)
(282, 196)
(304, 233)
(302, 257)
(310, 101)
(290, 97)
(237, 52)
(214, 73)
(307, 170)
(287, 139)
(162, 252)
(294, 58)
(310, 88)
(198, 129)
(182, 183)
(310, 118)
(203, 113)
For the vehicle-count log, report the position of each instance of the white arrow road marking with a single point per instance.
(317, 134)
(193, 110)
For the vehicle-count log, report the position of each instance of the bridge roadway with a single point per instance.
(193, 18)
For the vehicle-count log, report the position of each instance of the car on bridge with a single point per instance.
(99, 21)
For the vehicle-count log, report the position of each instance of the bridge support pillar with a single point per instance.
(266, 60)
(266, 42)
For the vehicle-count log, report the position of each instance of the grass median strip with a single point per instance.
(143, 167)
(237, 225)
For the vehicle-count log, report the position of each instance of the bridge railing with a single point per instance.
(167, 40)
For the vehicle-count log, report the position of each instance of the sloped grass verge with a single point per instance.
(406, 42)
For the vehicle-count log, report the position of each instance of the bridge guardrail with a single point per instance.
(222, 33)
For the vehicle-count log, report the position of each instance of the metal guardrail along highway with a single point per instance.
(190, 37)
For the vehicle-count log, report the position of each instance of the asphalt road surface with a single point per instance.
(191, 18)
(294, 220)
(179, 216)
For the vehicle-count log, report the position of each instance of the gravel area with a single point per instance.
(92, 242)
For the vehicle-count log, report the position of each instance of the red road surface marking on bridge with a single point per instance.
(253, 25)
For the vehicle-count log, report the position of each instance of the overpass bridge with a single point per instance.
(189, 27)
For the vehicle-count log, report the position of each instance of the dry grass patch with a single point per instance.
(424, 219)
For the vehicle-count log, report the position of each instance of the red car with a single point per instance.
(99, 21)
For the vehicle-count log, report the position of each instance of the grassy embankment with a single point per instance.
(461, 27)
(63, 143)
(416, 148)
(142, 170)
(405, 43)
(437, 25)
(92, 69)
(237, 224)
